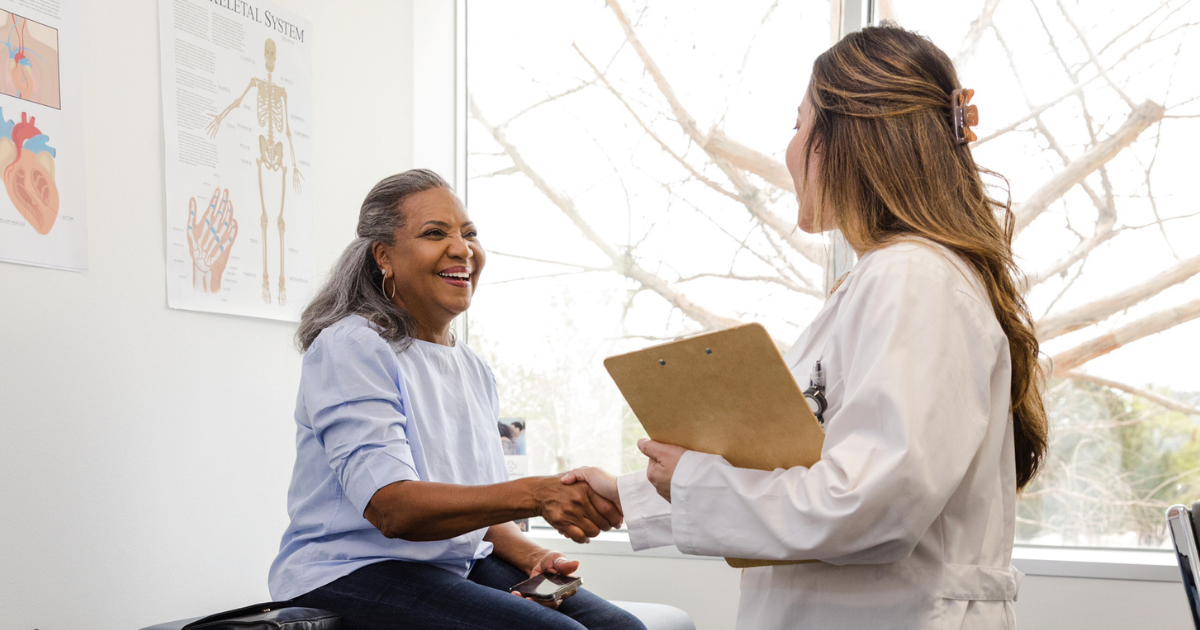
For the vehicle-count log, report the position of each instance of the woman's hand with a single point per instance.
(663, 460)
(574, 510)
(600, 481)
(552, 562)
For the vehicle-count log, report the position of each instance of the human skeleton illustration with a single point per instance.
(272, 109)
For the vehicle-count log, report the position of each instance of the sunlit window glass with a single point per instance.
(1089, 109)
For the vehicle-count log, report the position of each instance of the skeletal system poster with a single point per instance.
(237, 112)
(43, 220)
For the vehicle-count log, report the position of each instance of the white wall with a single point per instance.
(708, 589)
(145, 452)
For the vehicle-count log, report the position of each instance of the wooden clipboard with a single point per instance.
(727, 392)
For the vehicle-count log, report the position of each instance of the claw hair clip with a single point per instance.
(963, 115)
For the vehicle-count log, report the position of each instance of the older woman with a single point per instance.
(401, 511)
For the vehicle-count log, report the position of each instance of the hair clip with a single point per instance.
(963, 115)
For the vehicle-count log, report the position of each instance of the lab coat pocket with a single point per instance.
(970, 593)
(975, 583)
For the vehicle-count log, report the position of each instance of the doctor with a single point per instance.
(928, 358)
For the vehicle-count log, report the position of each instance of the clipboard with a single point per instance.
(727, 392)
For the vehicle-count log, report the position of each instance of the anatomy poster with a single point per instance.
(42, 211)
(237, 119)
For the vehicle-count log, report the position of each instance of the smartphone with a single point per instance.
(548, 586)
(1183, 534)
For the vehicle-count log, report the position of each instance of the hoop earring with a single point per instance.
(383, 287)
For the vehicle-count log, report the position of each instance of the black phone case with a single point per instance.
(544, 597)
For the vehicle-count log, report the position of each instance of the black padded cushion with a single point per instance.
(269, 616)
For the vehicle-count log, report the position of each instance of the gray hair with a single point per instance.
(354, 286)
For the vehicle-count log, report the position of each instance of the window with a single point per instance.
(1089, 110)
(625, 166)
(609, 225)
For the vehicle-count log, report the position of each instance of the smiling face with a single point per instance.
(435, 261)
(805, 180)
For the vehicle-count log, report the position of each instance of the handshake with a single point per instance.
(579, 504)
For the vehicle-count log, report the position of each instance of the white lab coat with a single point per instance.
(911, 508)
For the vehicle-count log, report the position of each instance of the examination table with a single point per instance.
(655, 616)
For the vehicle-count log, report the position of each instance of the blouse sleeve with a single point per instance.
(351, 390)
(917, 365)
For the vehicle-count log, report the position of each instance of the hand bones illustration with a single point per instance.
(210, 239)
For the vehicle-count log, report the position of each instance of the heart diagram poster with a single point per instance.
(237, 125)
(43, 218)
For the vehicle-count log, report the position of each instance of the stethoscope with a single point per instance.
(815, 394)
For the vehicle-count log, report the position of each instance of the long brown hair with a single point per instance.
(890, 168)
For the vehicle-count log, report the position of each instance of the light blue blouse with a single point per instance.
(368, 415)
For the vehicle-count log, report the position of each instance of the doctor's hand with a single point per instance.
(663, 460)
(599, 480)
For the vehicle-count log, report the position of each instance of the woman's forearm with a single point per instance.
(510, 544)
(423, 510)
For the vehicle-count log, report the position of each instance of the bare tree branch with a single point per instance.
(768, 168)
(741, 73)
(541, 276)
(1158, 220)
(1066, 287)
(1140, 119)
(682, 116)
(549, 262)
(1099, 310)
(1068, 360)
(1107, 213)
(1092, 55)
(780, 263)
(1075, 89)
(1079, 252)
(1158, 399)
(1107, 207)
(779, 280)
(1137, 24)
(650, 132)
(1153, 38)
(978, 27)
(1086, 246)
(508, 170)
(750, 196)
(623, 262)
(548, 99)
(1034, 112)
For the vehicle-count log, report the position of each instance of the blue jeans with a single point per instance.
(396, 595)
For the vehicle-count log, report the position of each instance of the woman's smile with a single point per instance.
(456, 276)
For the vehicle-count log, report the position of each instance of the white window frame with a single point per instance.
(1072, 562)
